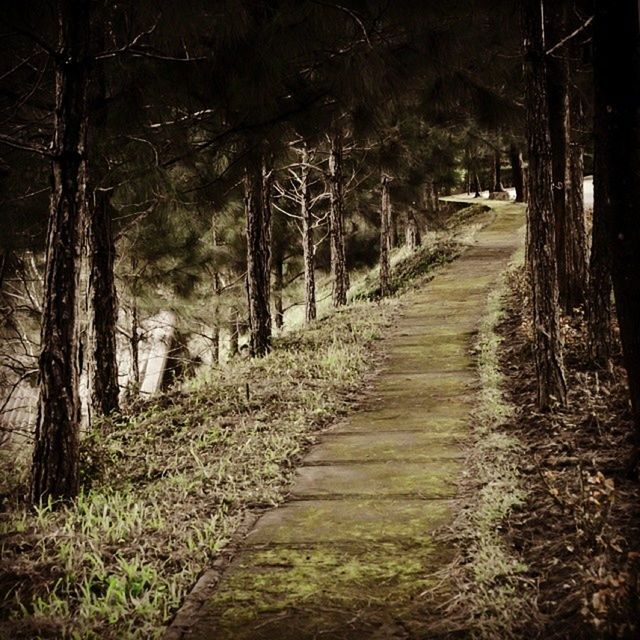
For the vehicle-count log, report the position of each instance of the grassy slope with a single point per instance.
(166, 488)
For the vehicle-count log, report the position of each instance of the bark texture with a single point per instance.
(576, 234)
(308, 246)
(101, 361)
(339, 272)
(558, 99)
(55, 455)
(541, 249)
(258, 212)
(617, 145)
(385, 235)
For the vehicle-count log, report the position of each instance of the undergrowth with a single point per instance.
(410, 268)
(166, 486)
(171, 484)
(489, 599)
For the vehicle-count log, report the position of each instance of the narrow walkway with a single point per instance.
(346, 557)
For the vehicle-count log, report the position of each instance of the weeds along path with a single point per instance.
(349, 554)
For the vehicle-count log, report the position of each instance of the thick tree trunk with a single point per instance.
(336, 223)
(308, 246)
(278, 285)
(412, 231)
(617, 146)
(516, 171)
(599, 305)
(258, 212)
(101, 359)
(540, 219)
(55, 455)
(558, 100)
(385, 235)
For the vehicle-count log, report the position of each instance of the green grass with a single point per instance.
(492, 583)
(166, 487)
(171, 484)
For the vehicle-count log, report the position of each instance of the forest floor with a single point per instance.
(577, 531)
(358, 546)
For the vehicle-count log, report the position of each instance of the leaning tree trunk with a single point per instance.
(55, 455)
(385, 236)
(308, 246)
(258, 211)
(558, 100)
(336, 223)
(617, 146)
(540, 219)
(516, 171)
(101, 356)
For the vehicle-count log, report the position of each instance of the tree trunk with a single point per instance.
(540, 219)
(576, 234)
(217, 293)
(134, 345)
(617, 146)
(308, 246)
(599, 305)
(101, 355)
(278, 285)
(497, 171)
(101, 361)
(215, 330)
(412, 231)
(258, 211)
(516, 171)
(385, 236)
(55, 455)
(558, 100)
(234, 332)
(476, 185)
(336, 223)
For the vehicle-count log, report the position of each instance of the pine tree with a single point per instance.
(55, 455)
(617, 147)
(540, 214)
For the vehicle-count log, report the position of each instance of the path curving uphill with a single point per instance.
(348, 555)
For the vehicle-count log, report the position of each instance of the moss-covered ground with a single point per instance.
(359, 542)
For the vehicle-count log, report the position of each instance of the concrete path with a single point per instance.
(348, 555)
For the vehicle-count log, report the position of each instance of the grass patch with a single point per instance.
(410, 269)
(169, 486)
(490, 599)
(166, 487)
